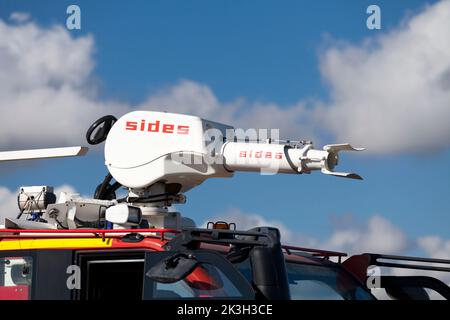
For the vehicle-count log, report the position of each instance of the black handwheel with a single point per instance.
(99, 130)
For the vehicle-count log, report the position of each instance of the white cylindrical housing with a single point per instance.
(242, 156)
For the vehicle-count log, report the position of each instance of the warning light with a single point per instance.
(222, 225)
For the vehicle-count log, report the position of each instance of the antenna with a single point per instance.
(34, 154)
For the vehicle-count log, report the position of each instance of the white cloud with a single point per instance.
(19, 17)
(392, 93)
(435, 246)
(186, 97)
(379, 235)
(46, 92)
(64, 188)
(198, 99)
(8, 204)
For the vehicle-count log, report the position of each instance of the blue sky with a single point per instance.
(264, 52)
(256, 49)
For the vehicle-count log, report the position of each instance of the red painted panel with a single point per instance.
(14, 293)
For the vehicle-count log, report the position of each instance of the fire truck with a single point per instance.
(137, 247)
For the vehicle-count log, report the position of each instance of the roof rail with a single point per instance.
(110, 233)
(315, 252)
(190, 237)
(374, 260)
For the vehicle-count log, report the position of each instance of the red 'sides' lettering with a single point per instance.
(260, 154)
(156, 126)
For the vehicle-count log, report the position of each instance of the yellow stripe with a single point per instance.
(54, 243)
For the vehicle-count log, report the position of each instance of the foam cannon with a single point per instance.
(145, 148)
(297, 157)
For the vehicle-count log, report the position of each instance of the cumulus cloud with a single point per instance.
(392, 93)
(188, 97)
(8, 204)
(378, 235)
(435, 246)
(19, 17)
(46, 95)
(198, 99)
